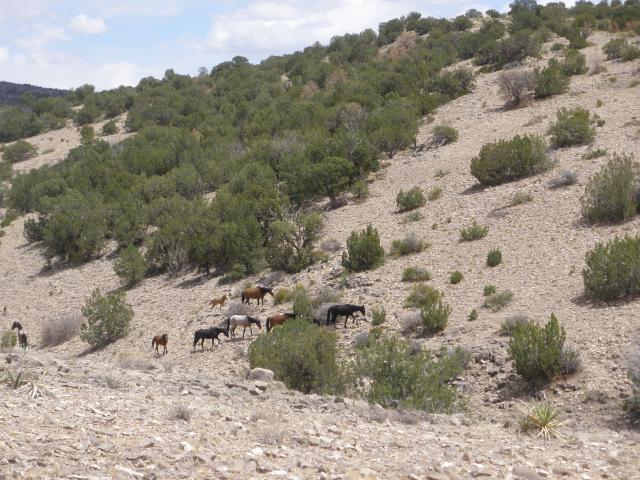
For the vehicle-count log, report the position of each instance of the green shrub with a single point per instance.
(283, 295)
(591, 154)
(613, 269)
(575, 63)
(434, 194)
(494, 257)
(443, 135)
(493, 13)
(392, 375)
(536, 350)
(435, 316)
(633, 404)
(421, 295)
(551, 80)
(300, 354)
(109, 128)
(360, 190)
(378, 316)
(33, 229)
(630, 53)
(508, 160)
(474, 232)
(87, 134)
(415, 274)
(412, 198)
(611, 194)
(291, 243)
(572, 127)
(130, 266)
(520, 198)
(8, 339)
(412, 217)
(364, 251)
(18, 151)
(488, 290)
(473, 315)
(108, 318)
(409, 244)
(302, 304)
(613, 48)
(456, 277)
(557, 47)
(497, 301)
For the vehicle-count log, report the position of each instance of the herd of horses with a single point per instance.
(229, 325)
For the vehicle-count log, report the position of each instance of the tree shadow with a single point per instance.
(473, 189)
(195, 281)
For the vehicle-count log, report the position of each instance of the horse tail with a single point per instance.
(242, 297)
(328, 315)
(195, 339)
(153, 342)
(268, 324)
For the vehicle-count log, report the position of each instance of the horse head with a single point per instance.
(256, 321)
(16, 325)
(165, 337)
(362, 309)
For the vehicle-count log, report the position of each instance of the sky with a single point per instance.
(108, 43)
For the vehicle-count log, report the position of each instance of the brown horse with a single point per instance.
(160, 340)
(218, 301)
(258, 293)
(279, 319)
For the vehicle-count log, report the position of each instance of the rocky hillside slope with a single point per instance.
(123, 413)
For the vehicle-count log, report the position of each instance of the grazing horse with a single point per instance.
(279, 319)
(347, 310)
(209, 333)
(22, 335)
(218, 301)
(242, 321)
(258, 293)
(159, 340)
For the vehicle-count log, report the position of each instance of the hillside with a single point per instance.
(115, 413)
(10, 92)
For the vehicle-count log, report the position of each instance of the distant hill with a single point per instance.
(10, 92)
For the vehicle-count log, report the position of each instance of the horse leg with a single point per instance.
(345, 320)
(250, 331)
(243, 330)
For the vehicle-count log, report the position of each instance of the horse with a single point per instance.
(22, 335)
(347, 310)
(218, 301)
(160, 340)
(209, 333)
(279, 319)
(242, 321)
(258, 293)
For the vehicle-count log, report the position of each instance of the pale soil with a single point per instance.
(92, 431)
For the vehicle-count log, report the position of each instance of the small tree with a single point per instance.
(410, 199)
(613, 269)
(109, 128)
(292, 241)
(575, 63)
(108, 318)
(87, 134)
(364, 251)
(130, 266)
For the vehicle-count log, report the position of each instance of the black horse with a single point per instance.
(347, 310)
(22, 335)
(209, 333)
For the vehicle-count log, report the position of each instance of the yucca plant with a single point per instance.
(13, 379)
(541, 419)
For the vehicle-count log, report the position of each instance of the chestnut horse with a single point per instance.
(22, 335)
(218, 301)
(159, 340)
(258, 293)
(279, 319)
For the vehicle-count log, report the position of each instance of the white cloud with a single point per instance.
(84, 24)
(279, 26)
(4, 54)
(42, 35)
(120, 73)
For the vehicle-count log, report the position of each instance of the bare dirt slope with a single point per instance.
(113, 414)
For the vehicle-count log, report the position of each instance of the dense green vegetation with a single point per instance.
(613, 269)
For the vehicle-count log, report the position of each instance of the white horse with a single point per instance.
(242, 321)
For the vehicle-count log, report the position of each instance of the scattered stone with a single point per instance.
(260, 374)
(525, 473)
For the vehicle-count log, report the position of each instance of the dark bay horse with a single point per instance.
(242, 321)
(209, 333)
(347, 310)
(22, 335)
(279, 319)
(258, 293)
(160, 340)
